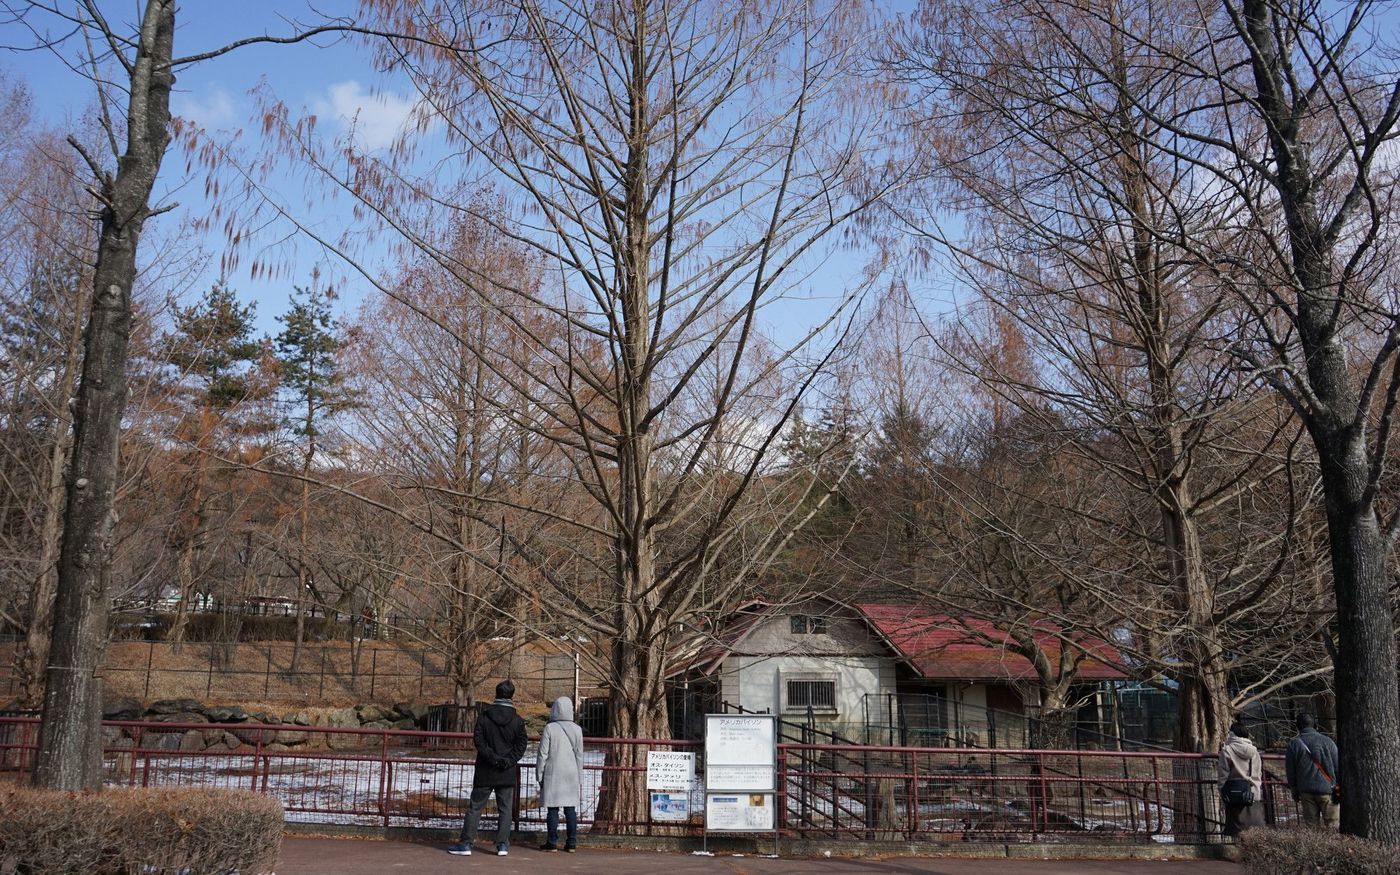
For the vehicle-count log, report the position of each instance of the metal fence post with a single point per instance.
(150, 654)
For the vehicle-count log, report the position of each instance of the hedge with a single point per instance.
(1314, 852)
(148, 831)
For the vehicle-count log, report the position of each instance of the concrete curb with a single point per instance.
(794, 847)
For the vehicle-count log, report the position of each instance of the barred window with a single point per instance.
(819, 695)
(802, 624)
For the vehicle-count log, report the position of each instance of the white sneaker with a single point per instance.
(501, 850)
(461, 850)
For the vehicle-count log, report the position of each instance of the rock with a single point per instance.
(163, 740)
(303, 718)
(192, 741)
(275, 747)
(370, 713)
(122, 743)
(125, 708)
(341, 718)
(290, 736)
(212, 736)
(379, 724)
(346, 741)
(253, 733)
(181, 717)
(231, 741)
(174, 706)
(232, 714)
(260, 717)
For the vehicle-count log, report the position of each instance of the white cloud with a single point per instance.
(377, 119)
(212, 110)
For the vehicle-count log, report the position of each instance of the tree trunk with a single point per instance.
(70, 739)
(186, 562)
(301, 554)
(34, 655)
(1368, 710)
(636, 709)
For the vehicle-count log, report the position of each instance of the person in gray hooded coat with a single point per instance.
(560, 769)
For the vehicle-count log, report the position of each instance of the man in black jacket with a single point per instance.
(500, 743)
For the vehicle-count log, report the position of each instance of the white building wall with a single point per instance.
(754, 674)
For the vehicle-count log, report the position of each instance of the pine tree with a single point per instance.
(214, 362)
(312, 391)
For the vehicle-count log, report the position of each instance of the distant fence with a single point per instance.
(856, 792)
(254, 671)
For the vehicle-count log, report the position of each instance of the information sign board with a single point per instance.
(737, 740)
(670, 807)
(670, 770)
(739, 812)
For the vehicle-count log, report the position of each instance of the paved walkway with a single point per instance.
(311, 856)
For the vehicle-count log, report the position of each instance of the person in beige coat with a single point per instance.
(1241, 781)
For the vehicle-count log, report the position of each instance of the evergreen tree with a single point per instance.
(312, 391)
(216, 378)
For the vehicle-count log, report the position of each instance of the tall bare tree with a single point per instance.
(132, 71)
(1086, 212)
(1316, 113)
(677, 168)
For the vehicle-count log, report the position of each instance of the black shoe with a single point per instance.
(569, 849)
(548, 848)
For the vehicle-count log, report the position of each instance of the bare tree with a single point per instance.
(45, 281)
(676, 168)
(133, 73)
(1087, 213)
(1315, 114)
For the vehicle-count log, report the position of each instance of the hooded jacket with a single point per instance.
(1304, 752)
(500, 743)
(560, 763)
(1239, 758)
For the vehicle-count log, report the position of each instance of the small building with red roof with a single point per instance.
(889, 673)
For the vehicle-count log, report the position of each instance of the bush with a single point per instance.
(1315, 852)
(156, 831)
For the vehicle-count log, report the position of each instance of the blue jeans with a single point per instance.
(551, 821)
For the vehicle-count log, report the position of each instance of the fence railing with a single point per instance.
(251, 671)
(408, 778)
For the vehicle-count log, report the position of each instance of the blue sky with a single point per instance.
(332, 79)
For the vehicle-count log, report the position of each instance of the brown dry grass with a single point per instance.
(258, 677)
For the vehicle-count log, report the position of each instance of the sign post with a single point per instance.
(741, 774)
(672, 773)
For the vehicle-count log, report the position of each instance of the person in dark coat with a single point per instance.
(560, 770)
(1311, 764)
(1241, 775)
(500, 743)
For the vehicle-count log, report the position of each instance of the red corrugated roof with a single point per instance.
(940, 646)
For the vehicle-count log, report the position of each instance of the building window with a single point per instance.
(817, 693)
(802, 624)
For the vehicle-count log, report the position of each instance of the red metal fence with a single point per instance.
(408, 778)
